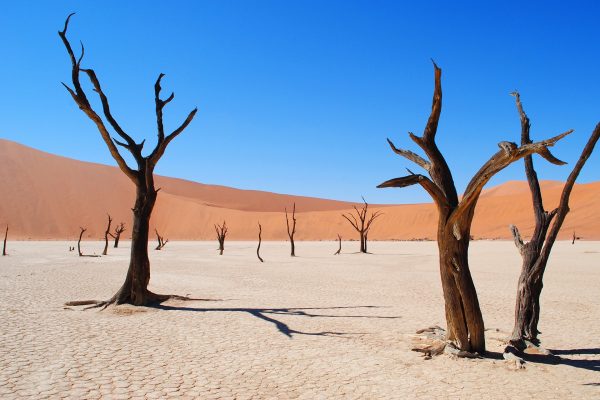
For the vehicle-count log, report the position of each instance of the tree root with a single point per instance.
(432, 342)
(152, 299)
(518, 349)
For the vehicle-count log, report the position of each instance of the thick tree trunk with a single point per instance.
(527, 307)
(463, 315)
(117, 238)
(363, 247)
(135, 288)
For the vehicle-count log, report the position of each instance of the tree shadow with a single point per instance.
(266, 314)
(557, 358)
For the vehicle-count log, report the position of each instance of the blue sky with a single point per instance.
(298, 96)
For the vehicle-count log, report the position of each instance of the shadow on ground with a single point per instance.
(266, 314)
(558, 358)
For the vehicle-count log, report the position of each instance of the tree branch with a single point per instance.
(563, 207)
(517, 238)
(436, 194)
(508, 154)
(409, 155)
(81, 100)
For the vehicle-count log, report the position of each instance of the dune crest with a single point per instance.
(49, 197)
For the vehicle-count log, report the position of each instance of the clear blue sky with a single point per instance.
(298, 96)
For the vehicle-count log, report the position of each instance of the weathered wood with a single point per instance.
(463, 314)
(221, 233)
(135, 287)
(259, 242)
(161, 241)
(106, 234)
(339, 250)
(117, 235)
(361, 224)
(5, 237)
(536, 252)
(291, 232)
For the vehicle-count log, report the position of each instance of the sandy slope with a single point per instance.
(49, 197)
(316, 326)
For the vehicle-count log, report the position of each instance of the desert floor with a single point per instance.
(316, 326)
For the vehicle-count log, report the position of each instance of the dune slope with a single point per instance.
(45, 196)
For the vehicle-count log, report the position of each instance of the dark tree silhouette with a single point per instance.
(536, 252)
(259, 241)
(5, 237)
(465, 328)
(361, 223)
(161, 241)
(291, 232)
(106, 234)
(221, 233)
(339, 250)
(135, 287)
(119, 229)
(79, 241)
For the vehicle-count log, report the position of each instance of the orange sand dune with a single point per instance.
(45, 196)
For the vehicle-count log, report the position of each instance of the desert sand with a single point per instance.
(316, 326)
(49, 197)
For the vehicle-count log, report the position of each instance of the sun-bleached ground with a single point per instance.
(316, 326)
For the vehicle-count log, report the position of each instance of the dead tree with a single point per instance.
(161, 241)
(5, 237)
(339, 250)
(221, 233)
(536, 252)
(259, 241)
(135, 287)
(79, 245)
(106, 234)
(465, 328)
(117, 235)
(291, 232)
(361, 223)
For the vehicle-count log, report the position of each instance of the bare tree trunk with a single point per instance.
(339, 250)
(463, 315)
(161, 241)
(259, 241)
(135, 288)
(574, 238)
(293, 229)
(5, 237)
(221, 233)
(106, 233)
(536, 252)
(79, 241)
(118, 231)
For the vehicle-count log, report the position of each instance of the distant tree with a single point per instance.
(259, 241)
(361, 224)
(119, 229)
(106, 234)
(5, 237)
(465, 328)
(79, 241)
(161, 241)
(291, 232)
(135, 287)
(339, 250)
(221, 233)
(83, 230)
(536, 252)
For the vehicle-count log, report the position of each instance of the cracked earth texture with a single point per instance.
(316, 326)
